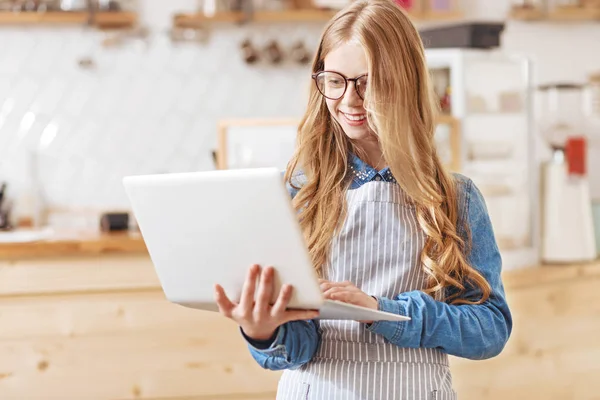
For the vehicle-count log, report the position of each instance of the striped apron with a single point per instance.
(378, 250)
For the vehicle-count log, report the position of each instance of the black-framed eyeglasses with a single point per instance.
(333, 85)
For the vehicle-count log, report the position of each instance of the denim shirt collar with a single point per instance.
(363, 172)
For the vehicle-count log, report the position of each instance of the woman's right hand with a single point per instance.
(259, 319)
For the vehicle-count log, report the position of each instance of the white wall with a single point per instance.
(155, 109)
(140, 110)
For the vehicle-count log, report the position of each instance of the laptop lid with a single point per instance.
(203, 228)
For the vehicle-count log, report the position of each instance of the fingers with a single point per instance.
(326, 285)
(329, 292)
(265, 290)
(285, 294)
(225, 305)
(344, 283)
(347, 297)
(247, 296)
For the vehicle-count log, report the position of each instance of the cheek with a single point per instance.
(332, 107)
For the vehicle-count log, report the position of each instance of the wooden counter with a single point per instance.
(554, 349)
(94, 324)
(94, 243)
(75, 243)
(550, 274)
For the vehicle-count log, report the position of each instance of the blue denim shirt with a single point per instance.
(468, 331)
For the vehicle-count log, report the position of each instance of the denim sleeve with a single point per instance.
(295, 342)
(470, 331)
(295, 345)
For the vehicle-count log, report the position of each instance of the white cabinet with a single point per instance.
(490, 93)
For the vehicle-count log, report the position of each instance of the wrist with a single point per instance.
(376, 302)
(375, 306)
(260, 335)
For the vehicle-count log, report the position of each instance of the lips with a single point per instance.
(354, 117)
(357, 119)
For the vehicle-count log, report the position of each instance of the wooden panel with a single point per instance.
(104, 315)
(550, 274)
(552, 353)
(100, 314)
(130, 345)
(562, 375)
(245, 396)
(100, 328)
(154, 364)
(125, 352)
(75, 243)
(67, 275)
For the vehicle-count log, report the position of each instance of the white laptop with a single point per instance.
(203, 228)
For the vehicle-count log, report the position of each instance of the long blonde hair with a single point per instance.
(401, 109)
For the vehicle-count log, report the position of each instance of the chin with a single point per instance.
(357, 134)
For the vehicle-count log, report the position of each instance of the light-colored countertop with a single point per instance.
(550, 274)
(75, 243)
(96, 243)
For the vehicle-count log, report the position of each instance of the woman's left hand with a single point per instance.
(348, 293)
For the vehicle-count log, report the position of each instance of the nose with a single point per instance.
(351, 97)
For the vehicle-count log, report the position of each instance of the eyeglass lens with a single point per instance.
(333, 85)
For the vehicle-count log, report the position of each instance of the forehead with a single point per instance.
(348, 58)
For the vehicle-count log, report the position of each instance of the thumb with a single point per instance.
(225, 305)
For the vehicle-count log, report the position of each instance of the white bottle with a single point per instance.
(568, 230)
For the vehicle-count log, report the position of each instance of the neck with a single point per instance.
(373, 153)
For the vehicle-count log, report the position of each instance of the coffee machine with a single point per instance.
(567, 223)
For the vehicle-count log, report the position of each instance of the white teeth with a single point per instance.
(355, 117)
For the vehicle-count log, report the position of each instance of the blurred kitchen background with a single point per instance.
(94, 90)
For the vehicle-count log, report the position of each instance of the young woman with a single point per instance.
(387, 227)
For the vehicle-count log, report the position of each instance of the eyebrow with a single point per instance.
(341, 73)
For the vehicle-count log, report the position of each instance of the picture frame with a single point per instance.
(256, 143)
(449, 142)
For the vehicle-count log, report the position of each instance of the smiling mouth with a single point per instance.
(354, 117)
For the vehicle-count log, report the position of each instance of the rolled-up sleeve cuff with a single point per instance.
(391, 330)
(276, 348)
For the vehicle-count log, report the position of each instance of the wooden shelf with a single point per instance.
(433, 16)
(574, 14)
(105, 20)
(566, 14)
(76, 243)
(308, 15)
(527, 14)
(192, 20)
